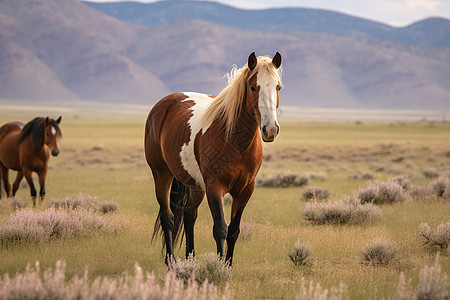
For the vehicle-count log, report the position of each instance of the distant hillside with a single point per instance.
(66, 50)
(319, 70)
(58, 50)
(429, 32)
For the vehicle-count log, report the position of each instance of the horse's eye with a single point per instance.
(279, 88)
(253, 89)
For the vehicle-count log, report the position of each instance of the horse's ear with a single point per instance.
(277, 60)
(46, 121)
(252, 60)
(59, 120)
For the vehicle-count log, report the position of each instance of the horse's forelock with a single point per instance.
(56, 126)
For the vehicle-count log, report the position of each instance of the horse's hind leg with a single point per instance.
(190, 215)
(5, 176)
(16, 183)
(237, 208)
(163, 182)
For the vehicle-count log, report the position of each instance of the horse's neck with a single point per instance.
(246, 128)
(37, 147)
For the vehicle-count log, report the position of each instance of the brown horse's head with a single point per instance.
(263, 86)
(51, 134)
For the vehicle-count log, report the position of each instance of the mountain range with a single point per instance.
(66, 50)
(429, 32)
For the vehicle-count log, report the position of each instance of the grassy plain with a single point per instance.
(102, 155)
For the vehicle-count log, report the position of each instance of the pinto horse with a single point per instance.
(26, 149)
(197, 144)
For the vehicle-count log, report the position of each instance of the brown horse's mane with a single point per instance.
(35, 129)
(226, 106)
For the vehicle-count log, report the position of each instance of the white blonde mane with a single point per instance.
(225, 107)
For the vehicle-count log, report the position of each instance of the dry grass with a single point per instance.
(261, 268)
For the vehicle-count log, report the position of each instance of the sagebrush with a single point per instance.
(209, 267)
(383, 193)
(283, 180)
(380, 252)
(314, 291)
(346, 211)
(301, 255)
(432, 285)
(315, 192)
(34, 284)
(85, 201)
(28, 226)
(438, 236)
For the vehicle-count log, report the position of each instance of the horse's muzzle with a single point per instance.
(55, 152)
(269, 133)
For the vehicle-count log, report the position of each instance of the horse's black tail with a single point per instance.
(179, 197)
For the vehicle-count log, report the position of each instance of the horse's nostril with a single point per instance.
(264, 130)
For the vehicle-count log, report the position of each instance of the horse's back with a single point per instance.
(9, 144)
(9, 128)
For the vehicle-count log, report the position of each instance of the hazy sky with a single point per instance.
(393, 12)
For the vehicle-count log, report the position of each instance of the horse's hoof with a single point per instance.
(171, 263)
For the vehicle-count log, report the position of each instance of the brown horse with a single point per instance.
(197, 144)
(26, 149)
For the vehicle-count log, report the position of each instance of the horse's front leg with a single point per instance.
(42, 176)
(28, 176)
(220, 228)
(237, 208)
(190, 215)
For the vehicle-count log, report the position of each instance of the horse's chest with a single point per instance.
(35, 160)
(229, 166)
